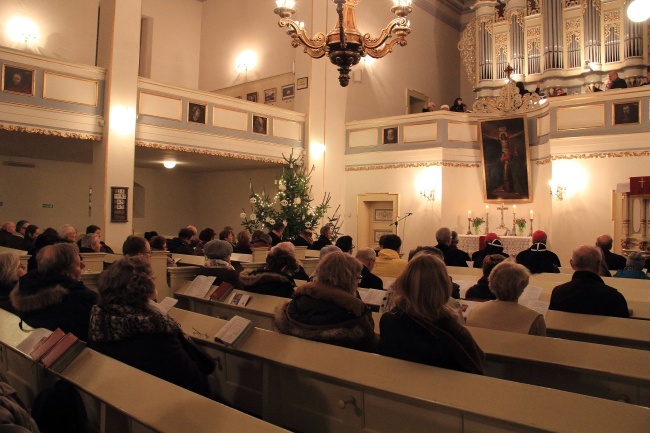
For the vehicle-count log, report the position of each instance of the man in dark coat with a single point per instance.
(323, 240)
(453, 257)
(537, 258)
(52, 296)
(614, 261)
(615, 82)
(305, 239)
(587, 293)
(367, 257)
(276, 233)
(7, 234)
(181, 244)
(492, 246)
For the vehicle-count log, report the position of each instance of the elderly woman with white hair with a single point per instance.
(10, 270)
(507, 281)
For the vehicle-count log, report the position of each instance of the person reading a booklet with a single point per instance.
(328, 309)
(507, 281)
(217, 263)
(125, 326)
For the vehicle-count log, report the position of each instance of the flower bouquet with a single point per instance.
(477, 223)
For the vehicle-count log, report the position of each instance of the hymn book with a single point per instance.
(234, 332)
(200, 286)
(55, 350)
(239, 299)
(221, 292)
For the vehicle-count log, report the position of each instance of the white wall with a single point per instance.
(68, 28)
(62, 184)
(176, 40)
(230, 27)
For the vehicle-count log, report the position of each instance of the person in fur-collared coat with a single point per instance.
(52, 296)
(275, 278)
(328, 309)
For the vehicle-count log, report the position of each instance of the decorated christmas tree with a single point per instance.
(292, 204)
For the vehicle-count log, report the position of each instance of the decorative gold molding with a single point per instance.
(533, 7)
(518, 15)
(50, 132)
(593, 155)
(207, 152)
(533, 37)
(612, 21)
(573, 28)
(467, 48)
(508, 101)
(501, 43)
(412, 165)
(488, 21)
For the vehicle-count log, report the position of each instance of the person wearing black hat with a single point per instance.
(492, 246)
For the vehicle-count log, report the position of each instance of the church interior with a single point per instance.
(187, 105)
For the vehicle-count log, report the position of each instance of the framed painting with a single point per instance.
(626, 113)
(288, 91)
(17, 80)
(269, 95)
(302, 83)
(376, 234)
(390, 135)
(196, 113)
(251, 96)
(382, 215)
(505, 157)
(260, 124)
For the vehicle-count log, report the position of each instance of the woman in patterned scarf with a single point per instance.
(128, 325)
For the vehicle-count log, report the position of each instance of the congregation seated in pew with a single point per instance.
(159, 243)
(328, 309)
(243, 245)
(492, 246)
(421, 328)
(538, 258)
(128, 325)
(507, 281)
(587, 293)
(10, 271)
(275, 278)
(633, 267)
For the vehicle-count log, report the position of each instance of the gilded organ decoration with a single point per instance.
(533, 7)
(501, 43)
(572, 28)
(532, 37)
(569, 3)
(500, 12)
(612, 20)
(488, 23)
(508, 101)
(467, 48)
(516, 14)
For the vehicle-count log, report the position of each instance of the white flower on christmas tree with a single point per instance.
(253, 200)
(282, 187)
(284, 202)
(253, 217)
(297, 200)
(285, 222)
(242, 215)
(271, 221)
(307, 224)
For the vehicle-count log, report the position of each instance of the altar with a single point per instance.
(512, 245)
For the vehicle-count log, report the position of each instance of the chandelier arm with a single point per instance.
(370, 42)
(339, 10)
(316, 43)
(385, 49)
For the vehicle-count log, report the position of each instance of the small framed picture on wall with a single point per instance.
(288, 91)
(251, 96)
(196, 113)
(269, 95)
(17, 80)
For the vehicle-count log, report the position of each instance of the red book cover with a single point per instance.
(59, 349)
(640, 185)
(221, 292)
(45, 346)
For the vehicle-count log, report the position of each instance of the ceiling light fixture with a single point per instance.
(169, 164)
(345, 45)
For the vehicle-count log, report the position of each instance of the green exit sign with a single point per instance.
(48, 206)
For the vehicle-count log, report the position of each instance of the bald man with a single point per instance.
(614, 261)
(587, 293)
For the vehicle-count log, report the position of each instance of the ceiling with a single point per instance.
(39, 146)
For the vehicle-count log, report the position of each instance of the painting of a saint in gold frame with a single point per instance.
(505, 157)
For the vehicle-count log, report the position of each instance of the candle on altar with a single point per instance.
(487, 208)
(514, 210)
(531, 214)
(469, 214)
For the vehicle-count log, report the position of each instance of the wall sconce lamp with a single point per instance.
(428, 194)
(559, 191)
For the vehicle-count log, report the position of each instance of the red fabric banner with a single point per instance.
(640, 185)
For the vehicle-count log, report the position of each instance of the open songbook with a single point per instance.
(234, 332)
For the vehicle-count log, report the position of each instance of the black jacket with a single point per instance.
(448, 345)
(370, 280)
(320, 243)
(480, 291)
(267, 283)
(614, 261)
(538, 259)
(54, 301)
(177, 246)
(587, 293)
(479, 255)
(453, 256)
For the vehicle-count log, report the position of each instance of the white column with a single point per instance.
(113, 160)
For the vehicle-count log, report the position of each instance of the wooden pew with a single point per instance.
(118, 397)
(24, 257)
(310, 386)
(90, 280)
(94, 262)
(510, 355)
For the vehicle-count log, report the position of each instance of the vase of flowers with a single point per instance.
(477, 223)
(521, 225)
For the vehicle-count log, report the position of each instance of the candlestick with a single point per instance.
(531, 214)
(487, 208)
(487, 223)
(469, 214)
(514, 209)
(469, 222)
(531, 226)
(514, 232)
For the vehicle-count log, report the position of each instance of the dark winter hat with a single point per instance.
(635, 260)
(217, 249)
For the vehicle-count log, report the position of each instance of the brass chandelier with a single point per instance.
(345, 45)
